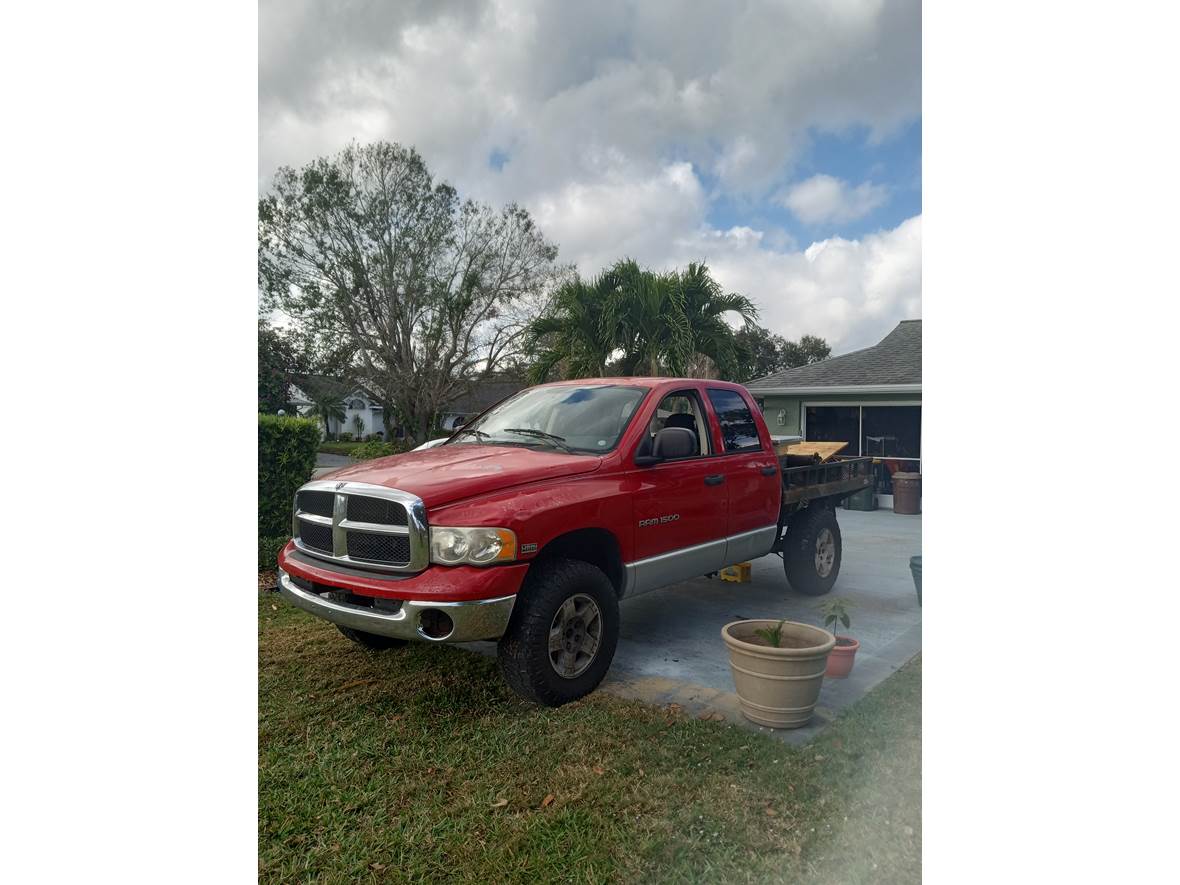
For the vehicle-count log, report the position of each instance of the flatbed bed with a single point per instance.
(835, 480)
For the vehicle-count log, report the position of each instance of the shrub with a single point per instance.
(268, 551)
(344, 437)
(337, 448)
(377, 449)
(286, 459)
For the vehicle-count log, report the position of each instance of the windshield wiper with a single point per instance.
(478, 434)
(559, 441)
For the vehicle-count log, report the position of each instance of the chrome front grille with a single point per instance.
(375, 547)
(318, 503)
(379, 510)
(315, 535)
(361, 525)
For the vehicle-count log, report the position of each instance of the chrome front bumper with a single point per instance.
(476, 619)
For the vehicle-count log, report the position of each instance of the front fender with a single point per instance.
(540, 513)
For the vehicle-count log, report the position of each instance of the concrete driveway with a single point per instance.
(670, 649)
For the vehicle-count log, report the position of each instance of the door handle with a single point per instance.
(715, 479)
(768, 471)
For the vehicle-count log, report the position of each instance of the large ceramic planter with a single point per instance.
(842, 658)
(777, 687)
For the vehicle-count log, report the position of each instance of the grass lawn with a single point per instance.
(418, 764)
(338, 448)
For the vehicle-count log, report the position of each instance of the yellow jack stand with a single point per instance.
(739, 574)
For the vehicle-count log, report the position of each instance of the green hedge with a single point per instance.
(339, 448)
(286, 459)
(268, 551)
(377, 449)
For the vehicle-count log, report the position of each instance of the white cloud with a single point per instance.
(622, 212)
(823, 198)
(851, 292)
(608, 119)
(735, 88)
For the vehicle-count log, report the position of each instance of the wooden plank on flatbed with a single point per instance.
(826, 450)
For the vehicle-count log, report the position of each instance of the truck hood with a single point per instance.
(451, 473)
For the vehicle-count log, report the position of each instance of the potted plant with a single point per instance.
(843, 656)
(778, 668)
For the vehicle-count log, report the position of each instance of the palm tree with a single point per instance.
(326, 406)
(573, 334)
(655, 323)
(705, 303)
(646, 312)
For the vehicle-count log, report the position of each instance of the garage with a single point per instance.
(870, 398)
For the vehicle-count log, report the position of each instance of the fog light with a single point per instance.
(435, 624)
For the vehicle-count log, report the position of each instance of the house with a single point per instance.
(871, 398)
(483, 395)
(357, 403)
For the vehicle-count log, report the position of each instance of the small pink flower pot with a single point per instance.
(842, 657)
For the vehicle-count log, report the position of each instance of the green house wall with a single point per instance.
(793, 406)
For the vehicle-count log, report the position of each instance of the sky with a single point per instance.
(778, 141)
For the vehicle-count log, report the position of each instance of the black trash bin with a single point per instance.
(865, 499)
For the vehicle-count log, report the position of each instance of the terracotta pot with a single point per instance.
(843, 656)
(777, 687)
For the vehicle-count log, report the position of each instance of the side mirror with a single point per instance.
(671, 442)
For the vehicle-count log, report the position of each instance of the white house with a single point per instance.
(354, 401)
(358, 404)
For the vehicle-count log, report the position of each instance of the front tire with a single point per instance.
(563, 633)
(812, 551)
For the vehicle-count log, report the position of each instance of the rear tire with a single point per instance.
(562, 636)
(371, 641)
(812, 550)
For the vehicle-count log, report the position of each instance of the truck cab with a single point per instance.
(532, 522)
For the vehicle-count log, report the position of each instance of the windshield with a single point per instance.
(583, 420)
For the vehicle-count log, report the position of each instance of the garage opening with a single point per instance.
(891, 434)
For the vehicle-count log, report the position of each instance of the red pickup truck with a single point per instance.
(530, 523)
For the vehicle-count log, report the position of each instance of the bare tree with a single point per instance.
(366, 249)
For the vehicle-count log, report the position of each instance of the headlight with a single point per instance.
(474, 546)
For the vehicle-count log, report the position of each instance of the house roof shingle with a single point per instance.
(895, 360)
(484, 394)
(315, 385)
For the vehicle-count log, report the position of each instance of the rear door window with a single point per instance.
(737, 424)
